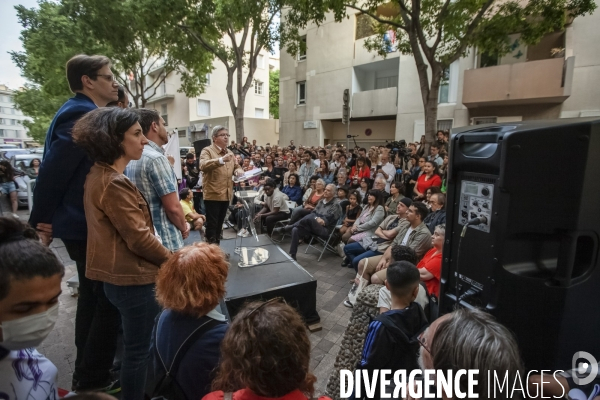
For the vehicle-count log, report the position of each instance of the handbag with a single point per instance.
(357, 288)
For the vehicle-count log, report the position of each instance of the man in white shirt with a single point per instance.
(435, 154)
(275, 207)
(386, 170)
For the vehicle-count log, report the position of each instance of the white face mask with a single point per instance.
(29, 331)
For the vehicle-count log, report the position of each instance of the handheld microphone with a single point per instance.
(477, 221)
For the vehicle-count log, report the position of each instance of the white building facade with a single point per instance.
(12, 130)
(558, 78)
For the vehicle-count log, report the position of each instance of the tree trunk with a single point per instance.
(239, 121)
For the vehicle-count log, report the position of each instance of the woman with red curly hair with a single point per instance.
(189, 287)
(265, 354)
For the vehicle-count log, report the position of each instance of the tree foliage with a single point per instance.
(439, 32)
(234, 32)
(274, 93)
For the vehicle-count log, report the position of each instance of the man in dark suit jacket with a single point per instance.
(58, 212)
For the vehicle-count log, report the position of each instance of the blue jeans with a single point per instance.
(138, 308)
(355, 252)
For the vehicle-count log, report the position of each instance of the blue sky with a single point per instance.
(9, 41)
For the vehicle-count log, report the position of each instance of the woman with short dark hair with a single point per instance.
(122, 249)
(265, 354)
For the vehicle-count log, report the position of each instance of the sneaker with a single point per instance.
(348, 304)
(242, 232)
(15, 216)
(345, 262)
(277, 231)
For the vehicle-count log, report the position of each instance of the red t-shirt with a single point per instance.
(423, 185)
(433, 263)
(247, 394)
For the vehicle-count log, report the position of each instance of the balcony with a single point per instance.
(375, 103)
(533, 82)
(163, 92)
(364, 56)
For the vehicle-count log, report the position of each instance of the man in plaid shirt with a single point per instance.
(155, 178)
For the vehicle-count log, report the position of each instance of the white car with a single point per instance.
(20, 163)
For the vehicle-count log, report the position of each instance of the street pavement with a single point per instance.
(332, 287)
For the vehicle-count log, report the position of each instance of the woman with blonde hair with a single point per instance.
(189, 287)
(265, 355)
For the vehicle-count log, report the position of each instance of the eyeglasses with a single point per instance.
(273, 300)
(111, 78)
(224, 134)
(422, 342)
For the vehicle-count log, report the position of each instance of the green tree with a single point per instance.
(274, 93)
(438, 32)
(234, 32)
(124, 30)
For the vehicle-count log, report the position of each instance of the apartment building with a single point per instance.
(557, 78)
(12, 130)
(192, 118)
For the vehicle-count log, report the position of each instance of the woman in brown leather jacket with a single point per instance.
(122, 249)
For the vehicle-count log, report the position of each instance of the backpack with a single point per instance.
(166, 386)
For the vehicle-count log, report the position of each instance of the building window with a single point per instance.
(302, 49)
(2, 134)
(386, 82)
(182, 133)
(203, 109)
(488, 60)
(260, 61)
(163, 113)
(484, 120)
(301, 89)
(259, 112)
(207, 79)
(258, 87)
(444, 124)
(444, 86)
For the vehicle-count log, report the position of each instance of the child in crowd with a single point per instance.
(392, 338)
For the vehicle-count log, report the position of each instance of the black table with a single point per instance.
(280, 275)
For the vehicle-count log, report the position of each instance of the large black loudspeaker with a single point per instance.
(199, 145)
(534, 263)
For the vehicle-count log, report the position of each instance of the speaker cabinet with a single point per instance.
(534, 263)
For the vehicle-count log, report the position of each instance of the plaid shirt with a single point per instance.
(154, 177)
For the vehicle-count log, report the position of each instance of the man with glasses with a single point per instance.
(218, 165)
(154, 176)
(58, 212)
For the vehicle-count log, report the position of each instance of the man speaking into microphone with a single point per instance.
(218, 165)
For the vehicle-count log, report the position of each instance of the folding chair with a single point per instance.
(324, 243)
(280, 224)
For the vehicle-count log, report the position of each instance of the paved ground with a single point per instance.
(332, 287)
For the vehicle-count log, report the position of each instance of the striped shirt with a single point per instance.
(154, 177)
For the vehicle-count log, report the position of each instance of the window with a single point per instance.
(444, 86)
(365, 26)
(207, 79)
(488, 60)
(203, 109)
(258, 87)
(260, 61)
(182, 133)
(2, 134)
(163, 113)
(484, 120)
(386, 82)
(444, 124)
(259, 112)
(301, 89)
(302, 48)
(12, 121)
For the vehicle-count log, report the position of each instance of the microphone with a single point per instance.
(477, 221)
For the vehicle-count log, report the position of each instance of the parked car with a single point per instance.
(20, 162)
(183, 151)
(8, 146)
(6, 154)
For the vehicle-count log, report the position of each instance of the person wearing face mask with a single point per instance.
(30, 277)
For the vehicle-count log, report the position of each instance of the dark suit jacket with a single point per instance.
(58, 193)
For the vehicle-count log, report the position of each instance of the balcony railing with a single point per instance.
(375, 103)
(543, 81)
(163, 91)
